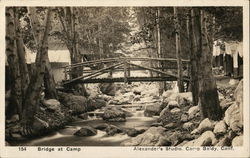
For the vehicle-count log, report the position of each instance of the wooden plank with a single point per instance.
(81, 77)
(155, 70)
(121, 79)
(123, 58)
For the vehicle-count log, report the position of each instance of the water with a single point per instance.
(65, 137)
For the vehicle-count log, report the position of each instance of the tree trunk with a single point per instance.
(35, 87)
(12, 58)
(49, 81)
(162, 84)
(178, 52)
(194, 35)
(208, 95)
(73, 49)
(25, 79)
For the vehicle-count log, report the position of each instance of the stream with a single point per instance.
(65, 137)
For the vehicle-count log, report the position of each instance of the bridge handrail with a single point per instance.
(121, 58)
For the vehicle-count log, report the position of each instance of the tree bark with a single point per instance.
(12, 58)
(178, 52)
(194, 34)
(49, 81)
(35, 87)
(72, 46)
(25, 79)
(208, 95)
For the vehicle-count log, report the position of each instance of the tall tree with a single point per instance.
(13, 60)
(178, 51)
(207, 92)
(40, 31)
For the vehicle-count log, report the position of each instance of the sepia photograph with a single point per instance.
(124, 76)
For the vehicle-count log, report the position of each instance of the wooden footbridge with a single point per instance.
(126, 66)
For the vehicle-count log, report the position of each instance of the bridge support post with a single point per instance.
(65, 73)
(125, 72)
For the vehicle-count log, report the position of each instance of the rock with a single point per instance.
(185, 98)
(173, 104)
(184, 118)
(107, 98)
(183, 143)
(39, 124)
(233, 118)
(150, 137)
(170, 126)
(238, 95)
(188, 126)
(156, 124)
(221, 96)
(114, 115)
(95, 103)
(220, 128)
(108, 88)
(225, 103)
(14, 118)
(165, 110)
(167, 94)
(175, 111)
(224, 142)
(137, 92)
(78, 104)
(52, 104)
(237, 141)
(205, 125)
(195, 131)
(152, 110)
(192, 112)
(102, 126)
(207, 138)
(83, 116)
(86, 131)
(137, 98)
(112, 130)
(134, 132)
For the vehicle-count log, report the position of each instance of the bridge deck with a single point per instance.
(129, 79)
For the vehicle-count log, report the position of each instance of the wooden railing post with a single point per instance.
(65, 73)
(125, 71)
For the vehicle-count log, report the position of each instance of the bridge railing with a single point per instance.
(126, 63)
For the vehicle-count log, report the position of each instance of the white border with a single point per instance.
(119, 152)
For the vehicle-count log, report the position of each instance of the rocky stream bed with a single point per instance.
(132, 115)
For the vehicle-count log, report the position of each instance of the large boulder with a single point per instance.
(112, 130)
(226, 141)
(114, 115)
(188, 126)
(86, 131)
(152, 110)
(108, 88)
(184, 118)
(205, 125)
(225, 103)
(173, 104)
(151, 137)
(237, 141)
(193, 111)
(175, 111)
(39, 125)
(238, 95)
(233, 118)
(206, 139)
(220, 128)
(134, 132)
(78, 104)
(52, 104)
